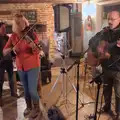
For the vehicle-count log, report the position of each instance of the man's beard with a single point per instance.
(110, 25)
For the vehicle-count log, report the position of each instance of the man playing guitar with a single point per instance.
(104, 49)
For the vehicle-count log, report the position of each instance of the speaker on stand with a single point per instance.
(62, 17)
(65, 22)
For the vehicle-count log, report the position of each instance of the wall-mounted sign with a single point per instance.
(31, 15)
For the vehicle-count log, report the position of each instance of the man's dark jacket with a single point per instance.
(111, 36)
(3, 41)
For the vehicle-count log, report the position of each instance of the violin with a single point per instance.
(29, 36)
(28, 33)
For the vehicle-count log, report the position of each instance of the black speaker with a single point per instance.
(62, 17)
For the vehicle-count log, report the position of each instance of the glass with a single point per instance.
(112, 19)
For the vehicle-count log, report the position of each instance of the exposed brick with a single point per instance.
(44, 16)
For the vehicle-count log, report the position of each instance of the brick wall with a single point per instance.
(44, 16)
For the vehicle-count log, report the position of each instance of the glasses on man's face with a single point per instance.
(112, 19)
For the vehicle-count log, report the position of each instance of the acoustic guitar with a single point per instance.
(102, 52)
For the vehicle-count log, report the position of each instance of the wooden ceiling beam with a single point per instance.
(38, 1)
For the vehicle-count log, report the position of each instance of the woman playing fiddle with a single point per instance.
(28, 63)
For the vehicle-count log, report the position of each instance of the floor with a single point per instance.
(63, 96)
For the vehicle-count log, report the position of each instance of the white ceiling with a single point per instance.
(107, 2)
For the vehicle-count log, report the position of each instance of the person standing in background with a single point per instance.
(6, 63)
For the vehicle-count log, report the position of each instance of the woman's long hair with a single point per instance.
(19, 23)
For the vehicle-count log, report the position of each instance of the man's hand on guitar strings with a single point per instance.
(118, 43)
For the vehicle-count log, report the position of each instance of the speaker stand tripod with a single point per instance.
(65, 79)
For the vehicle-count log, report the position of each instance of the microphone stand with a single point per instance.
(77, 94)
(78, 80)
(77, 86)
(98, 81)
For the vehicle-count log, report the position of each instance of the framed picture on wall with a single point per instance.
(31, 15)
